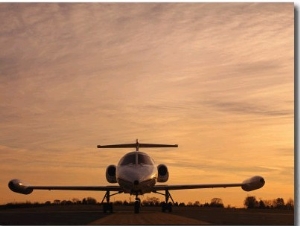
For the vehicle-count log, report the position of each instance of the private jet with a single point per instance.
(137, 174)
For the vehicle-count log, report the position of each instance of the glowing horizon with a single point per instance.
(216, 79)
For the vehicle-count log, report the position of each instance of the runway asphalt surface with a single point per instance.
(83, 215)
(147, 217)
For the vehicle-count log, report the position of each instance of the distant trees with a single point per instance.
(89, 201)
(290, 204)
(217, 202)
(76, 201)
(151, 201)
(56, 201)
(261, 204)
(189, 204)
(154, 201)
(196, 203)
(251, 202)
(278, 203)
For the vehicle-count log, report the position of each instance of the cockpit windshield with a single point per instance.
(144, 159)
(128, 159)
(131, 159)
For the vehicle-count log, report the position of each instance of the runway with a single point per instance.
(93, 215)
(149, 218)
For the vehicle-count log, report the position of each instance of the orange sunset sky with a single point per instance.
(215, 78)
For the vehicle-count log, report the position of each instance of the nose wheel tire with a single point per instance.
(137, 205)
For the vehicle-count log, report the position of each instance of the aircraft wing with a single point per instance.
(17, 186)
(193, 186)
(83, 188)
(250, 184)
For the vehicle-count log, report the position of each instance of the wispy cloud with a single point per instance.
(242, 108)
(215, 78)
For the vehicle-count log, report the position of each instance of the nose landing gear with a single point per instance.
(137, 205)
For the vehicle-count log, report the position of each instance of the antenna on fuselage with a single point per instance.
(138, 145)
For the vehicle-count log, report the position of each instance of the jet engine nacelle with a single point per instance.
(17, 186)
(111, 174)
(163, 173)
(253, 183)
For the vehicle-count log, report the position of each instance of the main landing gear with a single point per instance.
(108, 206)
(166, 206)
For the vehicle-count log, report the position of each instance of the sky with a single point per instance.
(215, 78)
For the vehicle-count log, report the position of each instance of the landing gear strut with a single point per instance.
(137, 204)
(166, 206)
(108, 206)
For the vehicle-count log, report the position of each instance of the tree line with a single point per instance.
(250, 202)
(148, 201)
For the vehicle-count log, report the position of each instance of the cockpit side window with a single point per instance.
(128, 159)
(144, 159)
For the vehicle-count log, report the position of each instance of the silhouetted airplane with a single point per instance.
(137, 174)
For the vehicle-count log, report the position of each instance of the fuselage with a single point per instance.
(136, 173)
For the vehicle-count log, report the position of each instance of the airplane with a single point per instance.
(137, 174)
